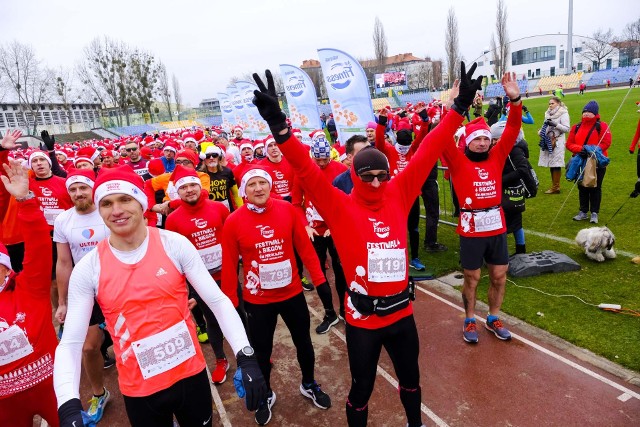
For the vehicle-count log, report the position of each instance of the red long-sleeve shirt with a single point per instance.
(575, 141)
(281, 174)
(202, 224)
(266, 241)
(28, 340)
(52, 195)
(479, 184)
(371, 238)
(397, 161)
(308, 213)
(636, 138)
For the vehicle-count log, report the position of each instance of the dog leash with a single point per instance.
(616, 212)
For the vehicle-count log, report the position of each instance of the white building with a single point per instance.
(55, 118)
(545, 55)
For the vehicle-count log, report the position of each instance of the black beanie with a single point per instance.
(370, 158)
(403, 137)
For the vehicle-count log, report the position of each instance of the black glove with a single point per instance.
(266, 100)
(584, 154)
(468, 89)
(382, 120)
(70, 413)
(550, 122)
(252, 379)
(402, 114)
(525, 109)
(49, 141)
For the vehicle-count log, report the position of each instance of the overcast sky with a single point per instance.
(206, 43)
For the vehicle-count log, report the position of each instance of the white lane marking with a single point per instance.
(545, 351)
(428, 412)
(624, 397)
(218, 401)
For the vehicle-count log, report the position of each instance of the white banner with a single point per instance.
(258, 128)
(348, 91)
(227, 112)
(302, 100)
(235, 98)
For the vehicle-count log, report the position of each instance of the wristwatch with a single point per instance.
(29, 196)
(247, 351)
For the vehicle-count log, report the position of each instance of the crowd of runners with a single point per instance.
(144, 247)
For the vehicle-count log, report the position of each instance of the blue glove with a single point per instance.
(237, 383)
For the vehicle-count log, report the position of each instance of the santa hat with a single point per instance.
(61, 152)
(120, 180)
(39, 153)
(403, 125)
(155, 167)
(189, 155)
(269, 140)
(146, 153)
(83, 176)
(4, 257)
(198, 135)
(107, 153)
(85, 154)
(189, 138)
(147, 140)
(296, 132)
(238, 127)
(318, 134)
(253, 172)
(183, 176)
(246, 144)
(341, 152)
(171, 145)
(212, 149)
(475, 129)
(258, 143)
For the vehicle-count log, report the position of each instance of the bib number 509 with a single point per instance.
(169, 348)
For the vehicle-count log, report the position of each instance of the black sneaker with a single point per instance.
(327, 323)
(435, 247)
(108, 361)
(315, 393)
(263, 414)
(307, 285)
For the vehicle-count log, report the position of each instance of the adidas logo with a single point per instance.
(160, 272)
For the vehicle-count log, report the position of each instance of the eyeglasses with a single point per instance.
(382, 176)
(212, 156)
(130, 150)
(183, 162)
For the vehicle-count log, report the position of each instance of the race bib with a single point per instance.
(14, 345)
(487, 220)
(50, 214)
(164, 351)
(212, 257)
(277, 275)
(387, 265)
(313, 215)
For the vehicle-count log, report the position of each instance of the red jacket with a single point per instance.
(602, 138)
(25, 309)
(281, 174)
(52, 195)
(266, 241)
(397, 161)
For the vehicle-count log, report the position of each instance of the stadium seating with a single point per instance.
(136, 129)
(568, 81)
(616, 75)
(414, 98)
(495, 89)
(210, 121)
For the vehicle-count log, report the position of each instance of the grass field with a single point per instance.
(615, 336)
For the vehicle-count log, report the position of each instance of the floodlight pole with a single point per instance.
(569, 38)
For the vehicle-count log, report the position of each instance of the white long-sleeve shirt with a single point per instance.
(83, 288)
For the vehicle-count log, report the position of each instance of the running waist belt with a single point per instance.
(383, 306)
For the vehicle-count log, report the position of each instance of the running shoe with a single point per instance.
(263, 414)
(219, 375)
(307, 285)
(417, 265)
(108, 360)
(435, 247)
(315, 393)
(327, 323)
(594, 218)
(498, 329)
(581, 216)
(203, 337)
(97, 405)
(470, 333)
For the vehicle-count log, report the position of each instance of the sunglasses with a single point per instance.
(183, 162)
(212, 156)
(382, 176)
(130, 150)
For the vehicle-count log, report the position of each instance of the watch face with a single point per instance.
(247, 351)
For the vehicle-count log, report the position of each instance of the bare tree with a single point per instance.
(143, 80)
(631, 40)
(177, 95)
(163, 87)
(31, 82)
(597, 48)
(452, 46)
(500, 47)
(379, 45)
(437, 73)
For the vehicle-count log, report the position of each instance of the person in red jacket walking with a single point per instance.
(201, 220)
(590, 131)
(369, 228)
(264, 232)
(27, 338)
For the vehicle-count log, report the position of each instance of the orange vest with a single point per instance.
(145, 307)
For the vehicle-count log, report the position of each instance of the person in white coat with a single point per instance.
(556, 125)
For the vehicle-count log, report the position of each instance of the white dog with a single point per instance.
(597, 243)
